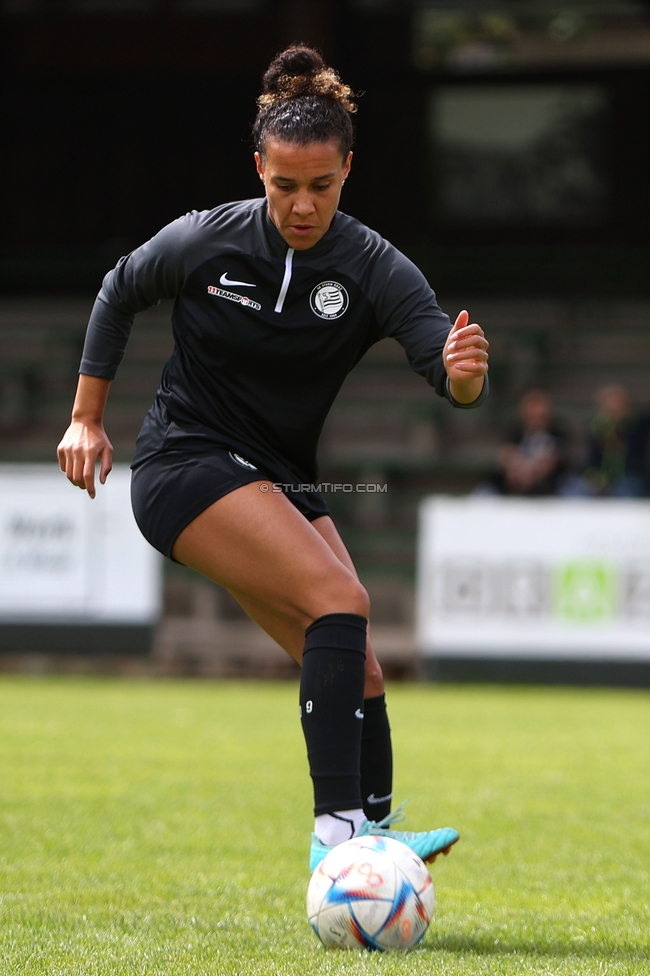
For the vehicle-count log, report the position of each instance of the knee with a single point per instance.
(361, 600)
(341, 595)
(374, 685)
(353, 598)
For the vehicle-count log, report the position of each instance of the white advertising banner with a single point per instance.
(537, 578)
(67, 558)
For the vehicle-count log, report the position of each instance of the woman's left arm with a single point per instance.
(452, 358)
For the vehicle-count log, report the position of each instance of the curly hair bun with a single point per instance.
(295, 61)
(300, 71)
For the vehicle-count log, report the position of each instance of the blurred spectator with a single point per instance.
(617, 462)
(533, 460)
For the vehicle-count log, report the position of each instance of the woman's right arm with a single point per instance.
(152, 272)
(85, 441)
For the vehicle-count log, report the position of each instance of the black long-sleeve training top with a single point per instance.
(264, 334)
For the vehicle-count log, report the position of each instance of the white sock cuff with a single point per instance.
(335, 828)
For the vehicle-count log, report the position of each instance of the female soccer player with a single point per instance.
(276, 299)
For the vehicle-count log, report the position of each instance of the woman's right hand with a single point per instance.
(85, 441)
(82, 446)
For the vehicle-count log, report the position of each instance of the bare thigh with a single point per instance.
(290, 636)
(283, 570)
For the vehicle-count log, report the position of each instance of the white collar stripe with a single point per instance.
(286, 281)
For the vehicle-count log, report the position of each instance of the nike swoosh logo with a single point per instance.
(225, 280)
(358, 713)
(379, 799)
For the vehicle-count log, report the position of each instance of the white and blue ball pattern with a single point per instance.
(371, 892)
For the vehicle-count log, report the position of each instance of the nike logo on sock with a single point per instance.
(379, 799)
(225, 280)
(358, 713)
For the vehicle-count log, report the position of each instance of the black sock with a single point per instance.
(331, 708)
(376, 759)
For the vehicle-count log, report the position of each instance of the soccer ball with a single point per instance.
(372, 892)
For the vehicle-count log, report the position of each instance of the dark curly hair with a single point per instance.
(303, 100)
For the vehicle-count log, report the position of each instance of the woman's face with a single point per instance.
(303, 187)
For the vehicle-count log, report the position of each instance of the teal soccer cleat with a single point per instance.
(427, 844)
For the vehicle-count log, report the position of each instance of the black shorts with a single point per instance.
(171, 488)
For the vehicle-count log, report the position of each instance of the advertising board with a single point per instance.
(66, 558)
(539, 578)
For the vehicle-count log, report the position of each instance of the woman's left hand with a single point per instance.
(465, 358)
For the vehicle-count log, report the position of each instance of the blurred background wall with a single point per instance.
(502, 145)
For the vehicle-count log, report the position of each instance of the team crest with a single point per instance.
(329, 300)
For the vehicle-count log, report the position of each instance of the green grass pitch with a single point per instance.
(161, 829)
